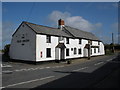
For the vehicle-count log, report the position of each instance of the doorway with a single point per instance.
(62, 54)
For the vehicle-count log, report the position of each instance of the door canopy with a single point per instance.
(61, 45)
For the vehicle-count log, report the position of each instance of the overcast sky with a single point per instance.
(100, 18)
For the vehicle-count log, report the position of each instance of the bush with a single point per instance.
(69, 62)
(6, 50)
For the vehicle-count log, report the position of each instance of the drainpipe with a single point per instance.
(89, 48)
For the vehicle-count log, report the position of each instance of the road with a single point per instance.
(85, 74)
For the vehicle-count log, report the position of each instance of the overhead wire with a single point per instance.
(31, 10)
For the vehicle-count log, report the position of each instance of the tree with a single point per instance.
(6, 49)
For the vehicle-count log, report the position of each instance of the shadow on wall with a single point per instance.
(85, 79)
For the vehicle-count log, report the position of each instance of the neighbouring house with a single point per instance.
(32, 42)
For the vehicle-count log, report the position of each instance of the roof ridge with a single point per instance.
(77, 29)
(39, 25)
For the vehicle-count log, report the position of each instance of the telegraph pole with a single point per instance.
(113, 43)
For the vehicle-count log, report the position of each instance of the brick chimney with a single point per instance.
(60, 23)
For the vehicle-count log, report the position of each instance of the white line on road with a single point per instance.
(47, 67)
(41, 68)
(109, 60)
(58, 66)
(20, 70)
(28, 81)
(98, 63)
(7, 71)
(80, 69)
(28, 69)
(25, 69)
(9, 66)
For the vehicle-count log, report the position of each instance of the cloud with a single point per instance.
(73, 21)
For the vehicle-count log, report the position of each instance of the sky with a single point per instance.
(100, 18)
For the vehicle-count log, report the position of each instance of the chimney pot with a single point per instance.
(60, 22)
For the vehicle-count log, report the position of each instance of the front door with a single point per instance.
(62, 54)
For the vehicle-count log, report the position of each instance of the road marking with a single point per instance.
(47, 67)
(6, 66)
(28, 69)
(28, 81)
(58, 66)
(109, 59)
(37, 68)
(41, 68)
(98, 63)
(80, 69)
(7, 71)
(20, 70)
(1, 88)
(61, 66)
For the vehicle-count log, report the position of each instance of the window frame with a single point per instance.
(79, 51)
(48, 39)
(48, 54)
(67, 40)
(80, 41)
(94, 50)
(75, 51)
(67, 52)
(98, 43)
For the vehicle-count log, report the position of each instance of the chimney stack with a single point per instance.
(60, 23)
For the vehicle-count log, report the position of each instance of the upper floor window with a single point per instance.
(61, 38)
(80, 41)
(48, 39)
(67, 40)
(90, 42)
(98, 43)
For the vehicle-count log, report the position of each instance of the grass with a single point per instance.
(109, 52)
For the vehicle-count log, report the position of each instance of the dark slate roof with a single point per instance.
(66, 32)
(81, 34)
(61, 45)
(40, 29)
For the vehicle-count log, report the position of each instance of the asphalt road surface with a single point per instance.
(85, 74)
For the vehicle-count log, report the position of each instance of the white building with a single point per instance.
(32, 42)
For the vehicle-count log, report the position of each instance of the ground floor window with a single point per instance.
(91, 51)
(94, 50)
(48, 52)
(75, 50)
(98, 49)
(67, 52)
(79, 51)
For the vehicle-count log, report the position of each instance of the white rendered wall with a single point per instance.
(41, 46)
(57, 52)
(74, 43)
(95, 43)
(101, 48)
(26, 51)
